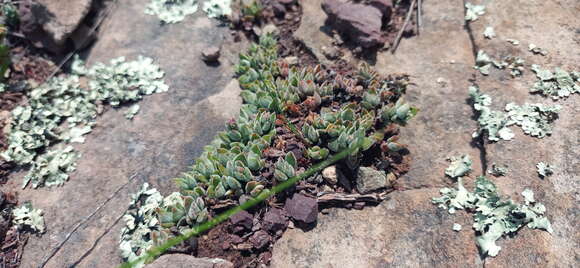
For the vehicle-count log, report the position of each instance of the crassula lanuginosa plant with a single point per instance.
(326, 111)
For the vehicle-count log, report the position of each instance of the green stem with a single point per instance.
(156, 251)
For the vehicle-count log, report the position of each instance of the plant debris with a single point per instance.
(494, 217)
(489, 32)
(27, 217)
(472, 12)
(498, 170)
(534, 119)
(545, 170)
(63, 111)
(459, 166)
(557, 84)
(171, 11)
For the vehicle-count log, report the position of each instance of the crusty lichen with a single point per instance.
(64, 111)
(494, 217)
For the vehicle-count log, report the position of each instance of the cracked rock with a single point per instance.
(302, 208)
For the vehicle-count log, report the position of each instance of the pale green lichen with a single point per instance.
(171, 11)
(459, 166)
(63, 111)
(514, 64)
(557, 84)
(457, 227)
(544, 169)
(52, 168)
(498, 170)
(150, 217)
(28, 217)
(494, 217)
(513, 42)
(536, 50)
(217, 8)
(472, 12)
(534, 119)
(489, 32)
(483, 62)
(132, 111)
(492, 123)
(140, 221)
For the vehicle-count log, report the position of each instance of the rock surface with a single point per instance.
(369, 179)
(158, 144)
(404, 231)
(559, 192)
(60, 18)
(187, 261)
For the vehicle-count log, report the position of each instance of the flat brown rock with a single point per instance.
(158, 144)
(549, 25)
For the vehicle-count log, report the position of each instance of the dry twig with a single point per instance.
(407, 19)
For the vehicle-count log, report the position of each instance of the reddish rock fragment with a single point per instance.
(242, 219)
(274, 220)
(358, 22)
(260, 239)
(302, 208)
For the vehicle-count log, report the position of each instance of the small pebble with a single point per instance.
(210, 54)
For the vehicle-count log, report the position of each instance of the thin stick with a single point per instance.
(400, 34)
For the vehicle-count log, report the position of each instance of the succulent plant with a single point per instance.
(323, 111)
(399, 113)
(285, 168)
